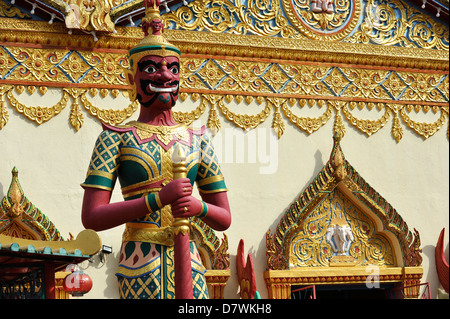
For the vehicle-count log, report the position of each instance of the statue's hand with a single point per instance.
(186, 207)
(174, 190)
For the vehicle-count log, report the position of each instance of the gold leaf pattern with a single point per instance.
(38, 114)
(307, 124)
(411, 79)
(76, 117)
(367, 126)
(397, 130)
(339, 127)
(278, 123)
(112, 117)
(425, 129)
(244, 121)
(213, 121)
(4, 116)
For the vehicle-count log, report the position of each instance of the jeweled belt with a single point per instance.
(149, 233)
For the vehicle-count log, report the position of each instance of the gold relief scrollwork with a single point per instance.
(4, 116)
(108, 116)
(386, 22)
(310, 247)
(308, 124)
(89, 15)
(11, 12)
(76, 117)
(195, 16)
(262, 17)
(244, 121)
(264, 12)
(333, 25)
(188, 117)
(37, 114)
(367, 126)
(422, 128)
(395, 23)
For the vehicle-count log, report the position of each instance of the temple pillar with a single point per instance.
(216, 281)
(278, 288)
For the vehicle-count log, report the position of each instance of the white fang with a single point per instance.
(162, 90)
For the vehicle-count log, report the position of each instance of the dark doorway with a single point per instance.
(344, 292)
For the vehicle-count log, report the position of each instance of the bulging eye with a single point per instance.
(150, 69)
(174, 70)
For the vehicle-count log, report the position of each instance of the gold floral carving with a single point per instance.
(281, 108)
(367, 126)
(309, 247)
(339, 195)
(11, 12)
(40, 114)
(50, 66)
(308, 124)
(386, 22)
(109, 116)
(393, 22)
(236, 17)
(425, 129)
(333, 26)
(245, 121)
(37, 114)
(281, 75)
(86, 15)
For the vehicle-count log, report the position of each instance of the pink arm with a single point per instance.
(99, 214)
(219, 215)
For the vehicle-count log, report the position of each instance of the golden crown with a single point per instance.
(153, 43)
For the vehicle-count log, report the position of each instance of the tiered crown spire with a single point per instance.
(153, 43)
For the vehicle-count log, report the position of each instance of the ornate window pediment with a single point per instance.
(336, 231)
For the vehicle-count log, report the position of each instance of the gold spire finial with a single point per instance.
(152, 17)
(13, 201)
(153, 43)
(337, 159)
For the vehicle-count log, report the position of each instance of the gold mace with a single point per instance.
(182, 249)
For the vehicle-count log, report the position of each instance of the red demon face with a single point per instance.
(157, 81)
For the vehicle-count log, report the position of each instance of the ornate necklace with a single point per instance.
(166, 136)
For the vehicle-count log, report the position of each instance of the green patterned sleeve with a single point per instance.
(209, 176)
(102, 171)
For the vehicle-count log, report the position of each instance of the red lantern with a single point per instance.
(77, 283)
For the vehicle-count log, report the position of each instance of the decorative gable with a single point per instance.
(337, 228)
(20, 218)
